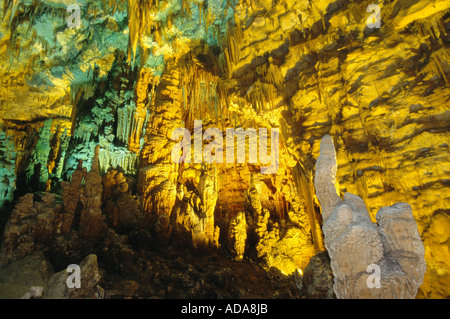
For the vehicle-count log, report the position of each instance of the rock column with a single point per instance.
(383, 260)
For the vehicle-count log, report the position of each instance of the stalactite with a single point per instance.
(8, 156)
(200, 94)
(76, 94)
(186, 7)
(440, 69)
(140, 22)
(64, 144)
(306, 188)
(272, 75)
(232, 50)
(13, 4)
(127, 160)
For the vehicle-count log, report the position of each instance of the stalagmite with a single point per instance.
(391, 249)
(237, 236)
(92, 226)
(206, 235)
(71, 195)
(157, 175)
(30, 228)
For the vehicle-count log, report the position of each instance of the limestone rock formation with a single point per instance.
(117, 253)
(92, 226)
(7, 169)
(123, 211)
(31, 227)
(83, 197)
(237, 236)
(26, 277)
(284, 244)
(435, 239)
(41, 222)
(134, 71)
(207, 233)
(392, 248)
(57, 287)
(71, 197)
(317, 278)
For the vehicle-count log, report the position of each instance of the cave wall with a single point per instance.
(135, 70)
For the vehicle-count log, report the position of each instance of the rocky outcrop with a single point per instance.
(26, 277)
(157, 175)
(123, 211)
(284, 244)
(31, 227)
(392, 249)
(317, 278)
(57, 287)
(40, 222)
(117, 253)
(92, 226)
(133, 72)
(7, 168)
(71, 197)
(83, 197)
(237, 236)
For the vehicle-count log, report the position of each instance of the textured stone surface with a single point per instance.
(57, 287)
(135, 70)
(40, 222)
(317, 278)
(25, 278)
(92, 226)
(33, 270)
(31, 227)
(355, 243)
(237, 236)
(7, 169)
(123, 211)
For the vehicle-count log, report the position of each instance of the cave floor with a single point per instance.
(178, 273)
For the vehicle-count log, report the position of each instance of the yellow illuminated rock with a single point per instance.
(137, 70)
